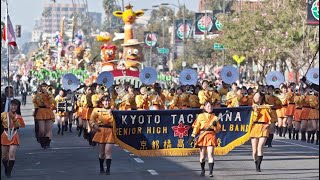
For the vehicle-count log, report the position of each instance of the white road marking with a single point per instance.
(153, 172)
(116, 145)
(126, 150)
(37, 163)
(297, 144)
(138, 160)
(131, 154)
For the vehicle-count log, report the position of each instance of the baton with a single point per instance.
(197, 137)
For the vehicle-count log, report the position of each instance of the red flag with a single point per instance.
(11, 36)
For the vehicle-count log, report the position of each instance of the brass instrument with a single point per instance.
(51, 89)
(150, 91)
(121, 91)
(102, 88)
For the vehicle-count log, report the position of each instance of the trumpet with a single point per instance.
(150, 91)
(102, 88)
(51, 89)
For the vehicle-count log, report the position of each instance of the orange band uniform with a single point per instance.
(261, 117)
(87, 107)
(207, 138)
(105, 122)
(16, 122)
(314, 104)
(204, 96)
(305, 108)
(142, 103)
(215, 99)
(45, 103)
(129, 102)
(291, 105)
(194, 101)
(179, 102)
(277, 104)
(158, 101)
(298, 100)
(281, 113)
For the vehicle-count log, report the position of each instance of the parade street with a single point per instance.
(70, 157)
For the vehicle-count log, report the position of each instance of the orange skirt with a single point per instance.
(305, 113)
(86, 113)
(290, 109)
(79, 112)
(274, 117)
(314, 114)
(256, 131)
(104, 136)
(297, 115)
(14, 140)
(281, 113)
(207, 139)
(44, 114)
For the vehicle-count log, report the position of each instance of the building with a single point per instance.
(54, 12)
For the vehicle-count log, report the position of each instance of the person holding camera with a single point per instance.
(207, 125)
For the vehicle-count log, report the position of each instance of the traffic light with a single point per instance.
(18, 30)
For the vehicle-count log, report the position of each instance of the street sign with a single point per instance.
(163, 50)
(218, 46)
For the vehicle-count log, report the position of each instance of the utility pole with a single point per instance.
(184, 34)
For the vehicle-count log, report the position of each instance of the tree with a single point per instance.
(270, 36)
(109, 7)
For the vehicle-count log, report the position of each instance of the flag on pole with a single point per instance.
(8, 34)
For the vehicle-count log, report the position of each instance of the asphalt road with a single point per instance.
(70, 157)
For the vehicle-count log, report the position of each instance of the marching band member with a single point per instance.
(234, 99)
(193, 98)
(313, 116)
(231, 95)
(179, 100)
(9, 146)
(224, 89)
(169, 97)
(128, 101)
(204, 95)
(44, 104)
(291, 108)
(158, 99)
(207, 139)
(250, 96)
(275, 102)
(102, 122)
(244, 100)
(299, 101)
(281, 113)
(61, 112)
(305, 113)
(86, 113)
(142, 100)
(260, 128)
(81, 116)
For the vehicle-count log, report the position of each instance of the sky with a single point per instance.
(24, 12)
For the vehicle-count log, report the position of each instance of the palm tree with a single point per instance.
(109, 6)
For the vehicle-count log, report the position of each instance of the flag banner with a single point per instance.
(151, 39)
(166, 132)
(180, 29)
(206, 22)
(8, 33)
(313, 12)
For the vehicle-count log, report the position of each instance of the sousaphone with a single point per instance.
(313, 76)
(148, 75)
(105, 78)
(70, 49)
(229, 74)
(275, 78)
(188, 77)
(70, 82)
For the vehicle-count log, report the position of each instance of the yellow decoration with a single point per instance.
(238, 59)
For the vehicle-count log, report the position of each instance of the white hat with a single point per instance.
(132, 42)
